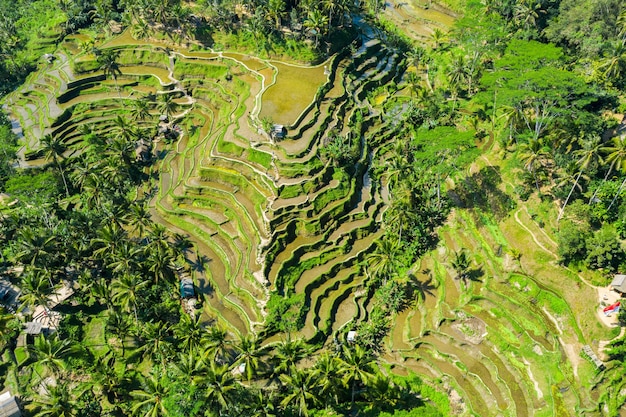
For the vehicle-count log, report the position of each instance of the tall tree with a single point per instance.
(299, 384)
(127, 291)
(53, 150)
(591, 152)
(148, 400)
(357, 367)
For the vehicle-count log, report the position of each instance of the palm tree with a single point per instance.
(119, 326)
(287, 354)
(107, 60)
(461, 265)
(275, 11)
(189, 367)
(123, 129)
(190, 333)
(35, 289)
(383, 261)
(35, 248)
(140, 109)
(148, 401)
(590, 152)
(127, 290)
(328, 376)
(57, 401)
(220, 385)
(316, 23)
(249, 351)
(53, 150)
(109, 239)
(161, 265)
(167, 105)
(216, 345)
(50, 353)
(617, 159)
(533, 154)
(300, 385)
(613, 66)
(155, 340)
(107, 380)
(356, 368)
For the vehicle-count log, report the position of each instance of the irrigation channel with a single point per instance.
(270, 215)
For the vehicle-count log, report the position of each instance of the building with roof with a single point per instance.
(619, 284)
(9, 406)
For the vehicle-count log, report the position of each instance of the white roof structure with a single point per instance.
(351, 336)
(619, 283)
(8, 406)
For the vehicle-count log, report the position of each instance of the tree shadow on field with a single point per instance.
(481, 191)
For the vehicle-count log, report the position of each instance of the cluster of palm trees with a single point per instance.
(199, 370)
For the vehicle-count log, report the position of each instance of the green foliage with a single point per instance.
(8, 148)
(604, 249)
(571, 239)
(584, 26)
(284, 313)
(34, 187)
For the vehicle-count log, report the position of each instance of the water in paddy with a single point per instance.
(293, 91)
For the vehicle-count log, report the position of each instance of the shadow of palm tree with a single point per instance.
(420, 289)
(200, 263)
(205, 287)
(475, 274)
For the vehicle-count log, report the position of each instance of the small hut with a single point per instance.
(8, 406)
(186, 288)
(143, 151)
(278, 132)
(619, 284)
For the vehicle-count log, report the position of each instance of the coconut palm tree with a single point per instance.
(155, 341)
(110, 237)
(591, 152)
(327, 374)
(617, 159)
(119, 326)
(534, 155)
(56, 401)
(140, 109)
(167, 105)
(316, 24)
(50, 353)
(249, 351)
(190, 333)
(275, 11)
(107, 60)
(300, 385)
(219, 384)
(382, 262)
(287, 354)
(461, 265)
(127, 291)
(216, 345)
(35, 288)
(148, 400)
(35, 248)
(357, 367)
(53, 149)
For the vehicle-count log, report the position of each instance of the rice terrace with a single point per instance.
(299, 209)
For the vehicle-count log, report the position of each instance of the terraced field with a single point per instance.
(271, 215)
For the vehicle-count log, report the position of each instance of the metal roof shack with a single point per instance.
(33, 327)
(8, 406)
(186, 288)
(278, 132)
(619, 284)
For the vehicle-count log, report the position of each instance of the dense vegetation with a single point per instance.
(542, 81)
